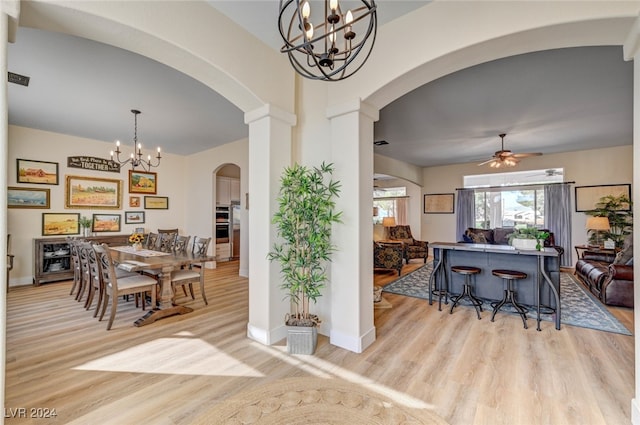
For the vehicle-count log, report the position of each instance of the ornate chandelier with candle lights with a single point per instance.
(135, 159)
(331, 49)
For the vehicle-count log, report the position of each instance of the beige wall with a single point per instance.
(588, 167)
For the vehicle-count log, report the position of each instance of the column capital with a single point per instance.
(631, 46)
(354, 105)
(268, 110)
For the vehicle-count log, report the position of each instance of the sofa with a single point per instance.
(388, 256)
(609, 277)
(500, 236)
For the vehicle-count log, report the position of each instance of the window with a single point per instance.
(389, 207)
(499, 204)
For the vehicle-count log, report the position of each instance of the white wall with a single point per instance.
(586, 168)
(26, 224)
(200, 175)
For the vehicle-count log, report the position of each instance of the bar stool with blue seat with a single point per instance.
(467, 272)
(508, 277)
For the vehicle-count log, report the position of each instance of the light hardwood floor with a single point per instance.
(172, 372)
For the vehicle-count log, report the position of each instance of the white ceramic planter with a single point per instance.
(529, 244)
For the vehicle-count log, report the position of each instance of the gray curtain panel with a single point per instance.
(465, 208)
(557, 217)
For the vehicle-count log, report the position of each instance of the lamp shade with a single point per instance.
(597, 223)
(389, 221)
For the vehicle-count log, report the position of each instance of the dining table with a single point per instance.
(135, 260)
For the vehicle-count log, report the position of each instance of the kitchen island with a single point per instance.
(540, 289)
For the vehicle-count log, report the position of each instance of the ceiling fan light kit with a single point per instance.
(331, 49)
(506, 158)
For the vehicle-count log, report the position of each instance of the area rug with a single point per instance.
(579, 307)
(309, 401)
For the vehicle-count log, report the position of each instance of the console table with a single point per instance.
(540, 266)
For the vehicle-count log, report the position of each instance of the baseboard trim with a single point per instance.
(265, 336)
(635, 412)
(355, 344)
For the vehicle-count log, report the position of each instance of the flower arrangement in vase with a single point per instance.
(136, 239)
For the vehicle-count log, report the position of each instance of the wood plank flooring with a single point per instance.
(174, 371)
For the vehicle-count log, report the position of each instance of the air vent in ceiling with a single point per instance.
(19, 79)
(381, 142)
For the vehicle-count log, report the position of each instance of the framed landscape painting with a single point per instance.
(37, 172)
(587, 197)
(143, 182)
(106, 223)
(133, 217)
(156, 202)
(93, 192)
(438, 203)
(28, 197)
(60, 224)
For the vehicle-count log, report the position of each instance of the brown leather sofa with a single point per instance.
(607, 278)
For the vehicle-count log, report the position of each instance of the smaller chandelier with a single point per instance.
(135, 159)
(334, 48)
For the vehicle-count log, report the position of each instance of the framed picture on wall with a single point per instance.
(60, 224)
(143, 182)
(156, 202)
(134, 201)
(93, 192)
(133, 217)
(438, 203)
(588, 196)
(28, 197)
(106, 223)
(37, 172)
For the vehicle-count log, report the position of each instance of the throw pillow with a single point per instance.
(624, 256)
(478, 238)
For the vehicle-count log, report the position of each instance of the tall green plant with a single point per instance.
(304, 219)
(619, 211)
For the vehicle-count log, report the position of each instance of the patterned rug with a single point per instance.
(579, 307)
(318, 401)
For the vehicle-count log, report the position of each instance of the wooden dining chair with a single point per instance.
(85, 273)
(151, 242)
(75, 264)
(114, 287)
(181, 244)
(167, 241)
(193, 274)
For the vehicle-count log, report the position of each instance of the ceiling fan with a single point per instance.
(506, 158)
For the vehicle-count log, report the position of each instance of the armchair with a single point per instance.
(387, 256)
(412, 248)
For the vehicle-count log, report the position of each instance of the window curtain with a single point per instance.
(465, 207)
(401, 211)
(557, 217)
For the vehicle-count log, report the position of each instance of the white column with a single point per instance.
(9, 12)
(632, 52)
(352, 325)
(269, 152)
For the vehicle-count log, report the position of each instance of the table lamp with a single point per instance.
(388, 222)
(597, 224)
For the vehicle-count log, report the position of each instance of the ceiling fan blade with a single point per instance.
(524, 155)
(487, 161)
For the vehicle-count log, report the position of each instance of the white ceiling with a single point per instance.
(552, 101)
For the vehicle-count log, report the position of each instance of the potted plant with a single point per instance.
(528, 238)
(305, 215)
(619, 211)
(85, 223)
